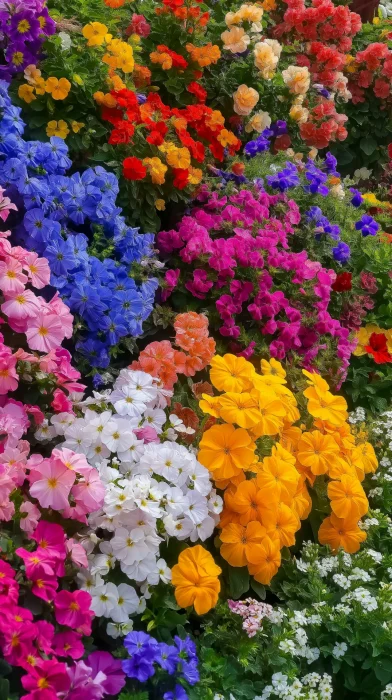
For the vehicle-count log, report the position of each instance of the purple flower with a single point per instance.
(190, 672)
(139, 668)
(167, 657)
(367, 225)
(285, 178)
(357, 199)
(101, 662)
(177, 694)
(341, 253)
(83, 686)
(141, 644)
(186, 647)
(25, 26)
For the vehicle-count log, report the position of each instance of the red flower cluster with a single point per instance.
(323, 62)
(323, 22)
(374, 69)
(324, 125)
(342, 282)
(139, 26)
(178, 61)
(378, 348)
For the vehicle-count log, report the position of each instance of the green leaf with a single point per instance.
(258, 588)
(238, 581)
(368, 145)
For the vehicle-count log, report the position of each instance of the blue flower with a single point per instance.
(95, 351)
(367, 225)
(284, 179)
(141, 644)
(341, 252)
(60, 257)
(167, 657)
(190, 672)
(357, 199)
(138, 667)
(186, 647)
(330, 164)
(316, 178)
(278, 128)
(177, 694)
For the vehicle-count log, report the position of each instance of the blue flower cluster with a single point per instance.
(178, 659)
(284, 179)
(262, 143)
(316, 179)
(74, 222)
(323, 226)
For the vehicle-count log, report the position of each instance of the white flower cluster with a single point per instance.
(298, 646)
(361, 595)
(310, 687)
(154, 489)
(357, 416)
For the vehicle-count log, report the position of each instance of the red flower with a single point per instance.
(122, 134)
(197, 90)
(180, 178)
(155, 138)
(281, 143)
(133, 169)
(390, 151)
(238, 168)
(342, 282)
(378, 348)
(139, 26)
(381, 88)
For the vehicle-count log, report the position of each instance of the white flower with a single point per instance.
(164, 571)
(97, 452)
(200, 478)
(119, 629)
(179, 426)
(102, 563)
(127, 402)
(61, 421)
(140, 569)
(181, 529)
(215, 503)
(141, 382)
(117, 435)
(45, 431)
(133, 453)
(104, 599)
(127, 603)
(197, 509)
(176, 501)
(87, 581)
(339, 650)
(129, 546)
(155, 418)
(203, 530)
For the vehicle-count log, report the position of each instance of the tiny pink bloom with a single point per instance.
(77, 552)
(30, 516)
(12, 279)
(38, 270)
(45, 332)
(52, 484)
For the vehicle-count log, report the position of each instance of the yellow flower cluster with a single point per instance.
(363, 338)
(119, 54)
(297, 79)
(262, 513)
(245, 99)
(37, 85)
(61, 129)
(157, 170)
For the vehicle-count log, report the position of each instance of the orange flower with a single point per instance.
(195, 578)
(189, 328)
(204, 55)
(321, 403)
(338, 532)
(249, 501)
(342, 467)
(365, 453)
(273, 367)
(272, 413)
(284, 522)
(241, 544)
(231, 373)
(277, 479)
(318, 452)
(114, 4)
(302, 502)
(269, 559)
(241, 409)
(348, 499)
(226, 451)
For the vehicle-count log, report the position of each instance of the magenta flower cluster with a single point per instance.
(234, 251)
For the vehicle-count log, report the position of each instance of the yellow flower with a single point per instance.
(227, 138)
(241, 409)
(245, 98)
(273, 367)
(160, 204)
(95, 32)
(119, 55)
(59, 128)
(76, 126)
(297, 79)
(26, 93)
(195, 175)
(299, 114)
(370, 198)
(108, 100)
(179, 158)
(157, 170)
(215, 119)
(77, 79)
(59, 89)
(40, 86)
(266, 59)
(246, 13)
(231, 373)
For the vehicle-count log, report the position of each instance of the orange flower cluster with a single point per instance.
(195, 578)
(263, 512)
(162, 360)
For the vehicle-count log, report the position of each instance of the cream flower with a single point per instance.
(297, 79)
(235, 40)
(245, 98)
(299, 114)
(265, 59)
(275, 46)
(259, 122)
(246, 13)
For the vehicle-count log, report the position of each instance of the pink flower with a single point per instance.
(49, 675)
(8, 374)
(44, 586)
(36, 412)
(68, 644)
(72, 460)
(29, 516)
(17, 640)
(171, 280)
(12, 279)
(89, 492)
(73, 610)
(45, 332)
(38, 270)
(39, 559)
(77, 552)
(51, 484)
(57, 306)
(60, 402)
(5, 206)
(147, 434)
(21, 305)
(139, 26)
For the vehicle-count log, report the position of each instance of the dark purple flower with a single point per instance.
(103, 662)
(357, 199)
(367, 225)
(47, 24)
(25, 26)
(341, 252)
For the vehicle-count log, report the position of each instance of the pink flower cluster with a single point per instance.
(35, 646)
(333, 25)
(252, 613)
(233, 253)
(45, 324)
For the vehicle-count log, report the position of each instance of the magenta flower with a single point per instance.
(101, 662)
(73, 610)
(49, 675)
(68, 644)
